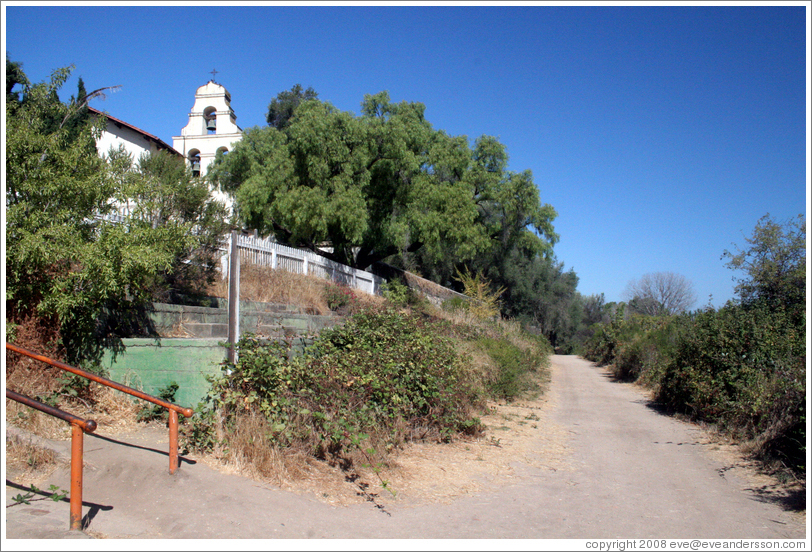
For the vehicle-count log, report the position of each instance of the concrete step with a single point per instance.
(204, 330)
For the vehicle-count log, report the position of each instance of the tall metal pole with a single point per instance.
(233, 298)
(76, 464)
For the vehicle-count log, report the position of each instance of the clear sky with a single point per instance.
(659, 134)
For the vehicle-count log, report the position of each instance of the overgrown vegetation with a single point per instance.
(76, 283)
(84, 281)
(386, 377)
(741, 367)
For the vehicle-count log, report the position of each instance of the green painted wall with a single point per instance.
(151, 364)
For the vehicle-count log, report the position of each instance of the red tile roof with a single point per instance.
(160, 143)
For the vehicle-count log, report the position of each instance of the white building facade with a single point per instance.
(135, 141)
(212, 129)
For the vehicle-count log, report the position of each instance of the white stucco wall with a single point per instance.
(136, 144)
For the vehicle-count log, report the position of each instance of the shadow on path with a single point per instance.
(181, 459)
(93, 510)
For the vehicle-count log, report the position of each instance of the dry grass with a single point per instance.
(420, 472)
(113, 411)
(249, 453)
(264, 284)
(26, 459)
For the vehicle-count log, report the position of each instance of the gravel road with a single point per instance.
(620, 470)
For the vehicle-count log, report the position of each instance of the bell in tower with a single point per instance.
(211, 124)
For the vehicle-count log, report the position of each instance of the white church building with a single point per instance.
(136, 142)
(212, 129)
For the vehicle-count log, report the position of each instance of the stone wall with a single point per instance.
(435, 293)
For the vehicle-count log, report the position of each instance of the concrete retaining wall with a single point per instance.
(151, 365)
(264, 319)
(191, 344)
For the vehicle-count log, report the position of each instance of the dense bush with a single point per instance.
(743, 368)
(340, 297)
(398, 293)
(384, 377)
(515, 367)
(387, 376)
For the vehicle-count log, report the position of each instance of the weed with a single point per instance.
(56, 495)
(152, 411)
(340, 298)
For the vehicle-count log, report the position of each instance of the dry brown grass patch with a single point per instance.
(264, 284)
(113, 411)
(28, 461)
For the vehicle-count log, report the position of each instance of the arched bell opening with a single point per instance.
(210, 115)
(194, 161)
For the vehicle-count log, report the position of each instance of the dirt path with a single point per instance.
(591, 460)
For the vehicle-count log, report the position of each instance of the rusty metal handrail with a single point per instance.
(174, 409)
(78, 428)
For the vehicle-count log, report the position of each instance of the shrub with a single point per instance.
(744, 369)
(485, 302)
(382, 378)
(514, 367)
(400, 294)
(340, 297)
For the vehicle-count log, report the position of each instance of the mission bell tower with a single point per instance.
(212, 128)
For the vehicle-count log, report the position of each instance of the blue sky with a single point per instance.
(659, 134)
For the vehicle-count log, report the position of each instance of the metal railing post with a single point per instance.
(187, 412)
(233, 298)
(173, 441)
(76, 465)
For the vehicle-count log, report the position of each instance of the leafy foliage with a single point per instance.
(56, 494)
(485, 300)
(162, 196)
(541, 294)
(516, 367)
(774, 265)
(90, 278)
(384, 374)
(282, 107)
(400, 294)
(380, 185)
(340, 297)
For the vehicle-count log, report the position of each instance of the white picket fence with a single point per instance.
(265, 252)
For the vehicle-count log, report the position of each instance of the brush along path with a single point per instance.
(591, 460)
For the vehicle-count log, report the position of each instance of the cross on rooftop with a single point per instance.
(214, 74)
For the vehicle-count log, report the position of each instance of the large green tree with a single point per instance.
(65, 264)
(384, 185)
